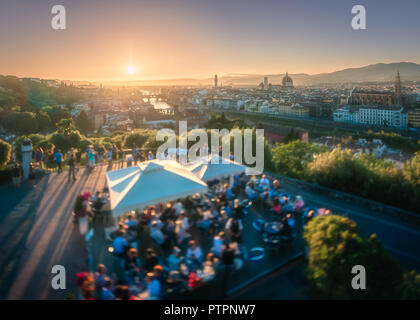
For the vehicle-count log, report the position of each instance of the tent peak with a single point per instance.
(150, 167)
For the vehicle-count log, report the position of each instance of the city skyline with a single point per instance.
(197, 39)
(210, 150)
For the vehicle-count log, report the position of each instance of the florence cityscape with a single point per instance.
(209, 150)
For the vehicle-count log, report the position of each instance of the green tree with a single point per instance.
(17, 144)
(65, 125)
(36, 138)
(5, 150)
(369, 177)
(12, 92)
(411, 173)
(339, 169)
(45, 145)
(56, 114)
(136, 138)
(411, 286)
(65, 141)
(290, 159)
(335, 246)
(31, 95)
(411, 170)
(221, 122)
(83, 122)
(66, 136)
(44, 122)
(20, 122)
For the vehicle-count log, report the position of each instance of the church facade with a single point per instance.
(381, 98)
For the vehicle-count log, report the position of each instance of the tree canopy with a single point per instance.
(83, 122)
(335, 246)
(290, 159)
(56, 113)
(5, 150)
(20, 122)
(366, 176)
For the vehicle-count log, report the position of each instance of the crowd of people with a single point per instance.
(73, 159)
(177, 259)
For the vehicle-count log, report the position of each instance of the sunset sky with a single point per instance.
(163, 39)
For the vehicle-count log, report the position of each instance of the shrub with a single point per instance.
(335, 246)
(5, 150)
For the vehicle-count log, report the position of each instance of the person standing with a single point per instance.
(114, 152)
(135, 153)
(129, 160)
(218, 244)
(39, 157)
(70, 153)
(234, 227)
(174, 260)
(58, 160)
(91, 159)
(109, 157)
(228, 259)
(194, 255)
(228, 256)
(71, 167)
(153, 286)
(100, 154)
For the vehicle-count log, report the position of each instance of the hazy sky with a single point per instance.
(198, 38)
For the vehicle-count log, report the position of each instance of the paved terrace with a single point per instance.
(39, 233)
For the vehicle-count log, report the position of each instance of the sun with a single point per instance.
(131, 69)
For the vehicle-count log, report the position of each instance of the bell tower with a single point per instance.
(397, 89)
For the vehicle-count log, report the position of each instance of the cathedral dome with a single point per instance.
(287, 81)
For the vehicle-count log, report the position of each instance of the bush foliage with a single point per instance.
(335, 246)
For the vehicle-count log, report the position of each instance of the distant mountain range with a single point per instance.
(380, 72)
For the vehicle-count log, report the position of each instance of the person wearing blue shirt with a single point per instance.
(58, 160)
(288, 207)
(106, 293)
(120, 245)
(131, 223)
(273, 192)
(250, 192)
(174, 260)
(91, 158)
(153, 286)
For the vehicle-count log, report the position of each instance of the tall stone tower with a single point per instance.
(215, 80)
(397, 89)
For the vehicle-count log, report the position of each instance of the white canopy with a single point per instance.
(215, 167)
(150, 183)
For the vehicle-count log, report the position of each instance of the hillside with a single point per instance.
(372, 73)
